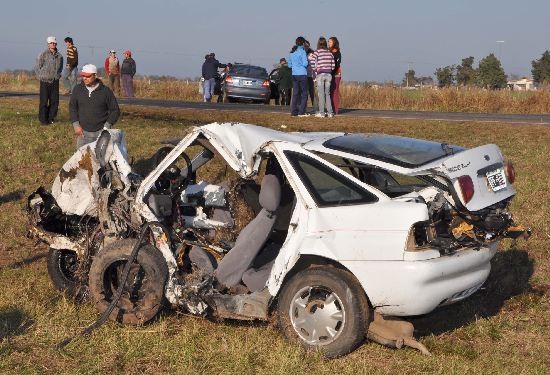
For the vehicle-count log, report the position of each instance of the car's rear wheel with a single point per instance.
(225, 98)
(324, 308)
(143, 294)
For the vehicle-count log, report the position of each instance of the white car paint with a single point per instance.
(368, 239)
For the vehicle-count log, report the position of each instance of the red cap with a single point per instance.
(128, 52)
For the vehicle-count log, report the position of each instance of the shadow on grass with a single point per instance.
(25, 262)
(11, 197)
(509, 277)
(13, 322)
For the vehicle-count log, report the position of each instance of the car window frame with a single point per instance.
(294, 157)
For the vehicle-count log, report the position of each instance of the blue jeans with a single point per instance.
(209, 85)
(323, 91)
(299, 95)
(87, 137)
(69, 77)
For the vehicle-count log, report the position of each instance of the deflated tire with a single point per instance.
(143, 294)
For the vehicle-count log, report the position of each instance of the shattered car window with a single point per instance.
(327, 187)
(390, 183)
(402, 151)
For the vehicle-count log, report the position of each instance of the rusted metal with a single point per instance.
(394, 332)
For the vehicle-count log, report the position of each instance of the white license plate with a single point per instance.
(497, 179)
(247, 83)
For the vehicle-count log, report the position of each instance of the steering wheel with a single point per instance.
(171, 176)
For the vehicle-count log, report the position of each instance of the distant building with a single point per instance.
(523, 84)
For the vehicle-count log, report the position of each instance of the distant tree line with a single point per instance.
(488, 74)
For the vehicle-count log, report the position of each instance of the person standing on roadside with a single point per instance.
(334, 47)
(297, 61)
(127, 73)
(49, 65)
(70, 72)
(209, 72)
(92, 107)
(112, 69)
(322, 64)
(285, 82)
(310, 76)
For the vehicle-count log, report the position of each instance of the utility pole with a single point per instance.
(500, 43)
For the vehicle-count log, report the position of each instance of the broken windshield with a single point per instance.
(402, 151)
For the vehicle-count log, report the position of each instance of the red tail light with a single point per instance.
(266, 83)
(510, 172)
(466, 187)
(228, 79)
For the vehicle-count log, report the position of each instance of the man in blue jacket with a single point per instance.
(297, 61)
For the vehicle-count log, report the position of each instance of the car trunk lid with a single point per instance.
(485, 167)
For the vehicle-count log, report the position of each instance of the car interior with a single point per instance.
(229, 227)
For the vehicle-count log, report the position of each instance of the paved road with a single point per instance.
(368, 113)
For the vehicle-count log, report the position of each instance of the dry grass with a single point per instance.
(352, 96)
(446, 100)
(503, 328)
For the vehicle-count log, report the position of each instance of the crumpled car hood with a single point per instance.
(75, 186)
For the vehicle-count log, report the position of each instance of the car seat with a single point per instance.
(253, 237)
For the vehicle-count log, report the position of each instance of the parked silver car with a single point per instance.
(246, 82)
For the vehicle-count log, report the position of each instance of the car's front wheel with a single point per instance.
(324, 308)
(143, 294)
(63, 270)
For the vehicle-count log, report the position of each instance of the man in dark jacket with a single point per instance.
(285, 82)
(127, 72)
(92, 107)
(209, 72)
(48, 71)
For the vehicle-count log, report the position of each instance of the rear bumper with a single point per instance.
(255, 93)
(405, 288)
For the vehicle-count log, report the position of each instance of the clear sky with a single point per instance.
(378, 38)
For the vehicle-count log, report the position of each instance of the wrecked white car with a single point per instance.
(336, 234)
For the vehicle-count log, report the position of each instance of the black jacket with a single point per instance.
(128, 66)
(93, 110)
(210, 67)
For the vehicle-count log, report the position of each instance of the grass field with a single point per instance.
(352, 96)
(503, 328)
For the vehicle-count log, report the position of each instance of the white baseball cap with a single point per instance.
(88, 70)
(112, 51)
(51, 39)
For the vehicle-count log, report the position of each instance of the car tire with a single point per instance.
(324, 308)
(144, 292)
(62, 268)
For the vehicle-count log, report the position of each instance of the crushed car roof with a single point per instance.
(245, 140)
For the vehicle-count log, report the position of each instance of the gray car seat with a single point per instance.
(253, 237)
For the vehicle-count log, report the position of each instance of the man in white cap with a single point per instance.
(48, 68)
(92, 107)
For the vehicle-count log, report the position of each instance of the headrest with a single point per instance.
(270, 193)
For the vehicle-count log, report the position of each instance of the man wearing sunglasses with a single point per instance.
(48, 68)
